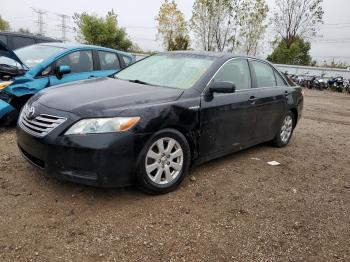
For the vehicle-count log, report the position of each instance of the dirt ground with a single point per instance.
(236, 208)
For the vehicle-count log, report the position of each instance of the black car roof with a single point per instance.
(29, 35)
(210, 54)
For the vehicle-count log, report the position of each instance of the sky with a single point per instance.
(138, 17)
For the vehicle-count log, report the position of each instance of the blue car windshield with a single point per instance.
(168, 70)
(32, 55)
(36, 54)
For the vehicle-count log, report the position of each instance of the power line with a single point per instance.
(63, 26)
(40, 20)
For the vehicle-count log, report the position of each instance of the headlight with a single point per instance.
(102, 125)
(5, 84)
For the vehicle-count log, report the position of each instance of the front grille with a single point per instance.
(40, 125)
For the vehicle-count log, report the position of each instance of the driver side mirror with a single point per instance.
(62, 70)
(222, 87)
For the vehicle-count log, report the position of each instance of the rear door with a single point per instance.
(81, 64)
(228, 120)
(272, 96)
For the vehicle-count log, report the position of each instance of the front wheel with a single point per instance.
(285, 131)
(164, 162)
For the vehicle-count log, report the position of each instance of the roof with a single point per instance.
(208, 53)
(28, 35)
(67, 45)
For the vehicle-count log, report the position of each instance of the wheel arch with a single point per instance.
(295, 114)
(190, 137)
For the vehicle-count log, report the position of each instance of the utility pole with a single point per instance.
(63, 26)
(40, 20)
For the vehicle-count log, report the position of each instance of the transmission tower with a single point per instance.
(40, 20)
(63, 26)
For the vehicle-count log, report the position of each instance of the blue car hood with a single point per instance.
(6, 52)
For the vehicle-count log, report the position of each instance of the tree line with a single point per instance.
(238, 26)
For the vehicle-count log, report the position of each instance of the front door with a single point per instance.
(81, 64)
(228, 120)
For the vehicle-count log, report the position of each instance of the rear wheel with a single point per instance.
(285, 131)
(164, 162)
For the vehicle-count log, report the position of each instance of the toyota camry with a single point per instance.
(148, 123)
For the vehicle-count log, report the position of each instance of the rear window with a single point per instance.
(265, 76)
(127, 60)
(108, 60)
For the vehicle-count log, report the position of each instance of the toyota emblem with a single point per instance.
(30, 112)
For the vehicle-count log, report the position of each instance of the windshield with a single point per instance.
(31, 55)
(168, 70)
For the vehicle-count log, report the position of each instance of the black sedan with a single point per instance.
(148, 123)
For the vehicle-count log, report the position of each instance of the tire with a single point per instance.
(282, 139)
(166, 167)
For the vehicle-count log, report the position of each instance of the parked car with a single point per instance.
(15, 40)
(27, 70)
(153, 119)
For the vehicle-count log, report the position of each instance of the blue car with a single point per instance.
(27, 70)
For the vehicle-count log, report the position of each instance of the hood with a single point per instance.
(103, 96)
(6, 52)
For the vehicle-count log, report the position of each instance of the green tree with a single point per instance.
(297, 53)
(4, 25)
(96, 30)
(172, 27)
(24, 30)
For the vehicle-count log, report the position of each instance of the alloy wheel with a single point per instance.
(287, 128)
(164, 161)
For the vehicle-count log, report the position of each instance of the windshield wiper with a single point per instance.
(140, 82)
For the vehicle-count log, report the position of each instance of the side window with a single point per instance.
(235, 71)
(80, 61)
(127, 60)
(265, 76)
(108, 61)
(3, 39)
(279, 80)
(22, 41)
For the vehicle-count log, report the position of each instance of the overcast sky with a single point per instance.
(138, 19)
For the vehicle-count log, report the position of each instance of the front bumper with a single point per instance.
(107, 160)
(103, 160)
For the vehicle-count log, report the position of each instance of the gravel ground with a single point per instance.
(236, 208)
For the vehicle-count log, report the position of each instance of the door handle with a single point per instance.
(252, 98)
(92, 76)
